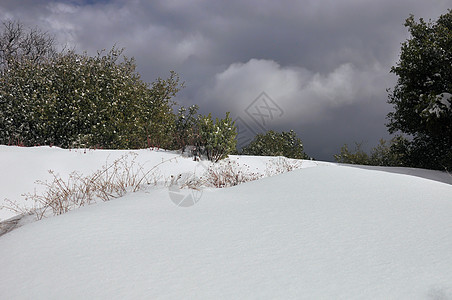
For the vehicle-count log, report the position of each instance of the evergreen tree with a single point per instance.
(422, 97)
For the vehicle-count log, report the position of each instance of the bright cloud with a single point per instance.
(301, 93)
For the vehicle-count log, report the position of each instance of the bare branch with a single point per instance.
(18, 43)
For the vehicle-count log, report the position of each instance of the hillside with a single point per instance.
(323, 231)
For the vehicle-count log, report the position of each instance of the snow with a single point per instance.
(441, 105)
(22, 167)
(326, 231)
(445, 99)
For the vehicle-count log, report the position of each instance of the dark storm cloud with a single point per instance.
(326, 63)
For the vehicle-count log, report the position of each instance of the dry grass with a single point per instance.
(228, 173)
(112, 181)
(124, 175)
(281, 164)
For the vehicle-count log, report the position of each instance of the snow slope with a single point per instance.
(21, 167)
(326, 232)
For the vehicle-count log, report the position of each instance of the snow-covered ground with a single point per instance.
(326, 231)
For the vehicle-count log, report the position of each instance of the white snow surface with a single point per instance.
(326, 231)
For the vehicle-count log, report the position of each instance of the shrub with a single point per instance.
(396, 153)
(392, 153)
(216, 140)
(276, 144)
(73, 100)
(357, 156)
(184, 127)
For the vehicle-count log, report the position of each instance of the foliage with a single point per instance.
(428, 152)
(78, 100)
(422, 97)
(276, 144)
(158, 115)
(185, 126)
(357, 156)
(216, 139)
(392, 153)
(75, 100)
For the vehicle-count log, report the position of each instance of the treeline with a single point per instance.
(71, 100)
(393, 153)
(76, 100)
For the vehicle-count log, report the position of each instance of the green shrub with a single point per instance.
(357, 156)
(276, 144)
(184, 127)
(73, 100)
(216, 139)
(396, 153)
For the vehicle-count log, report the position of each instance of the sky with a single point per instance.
(319, 67)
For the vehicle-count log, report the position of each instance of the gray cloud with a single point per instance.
(326, 63)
